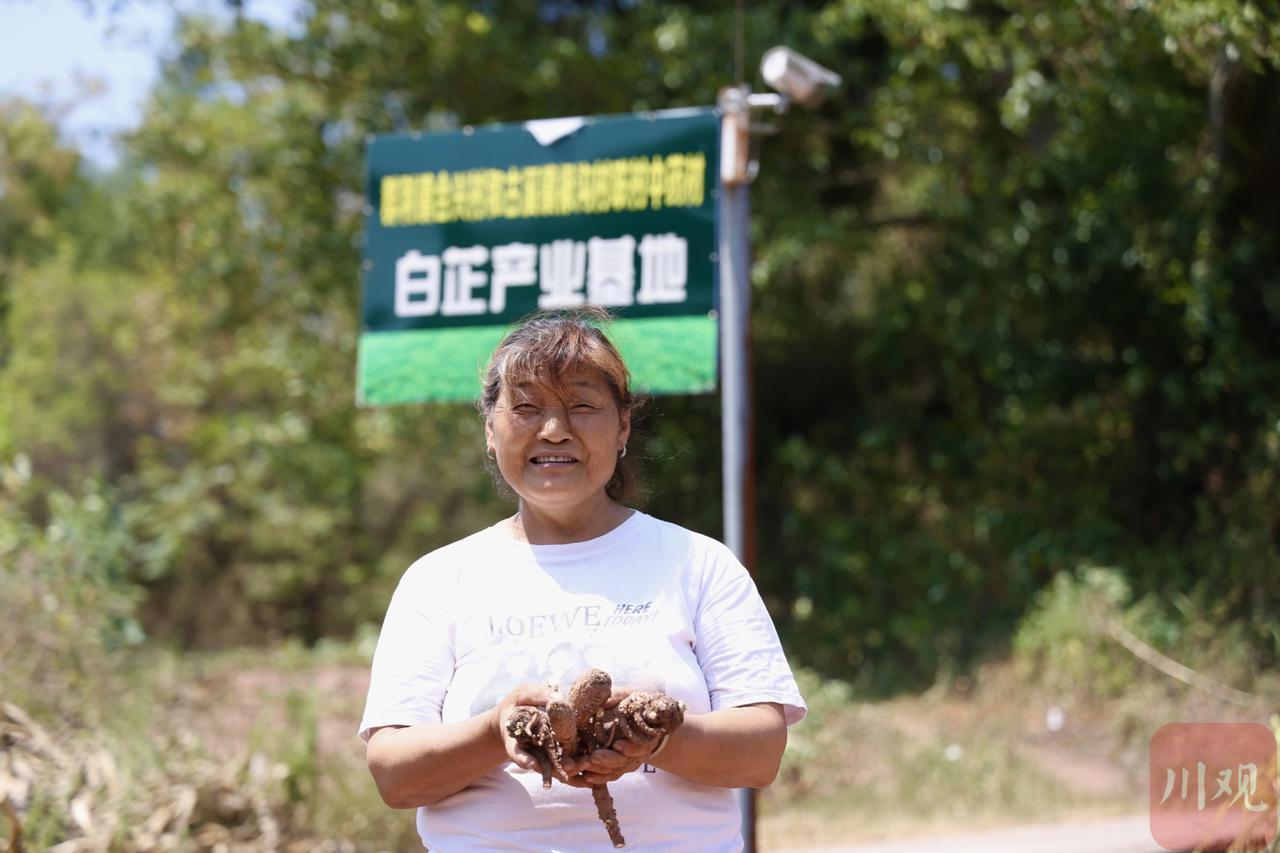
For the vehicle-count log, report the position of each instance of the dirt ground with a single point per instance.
(230, 705)
(1088, 759)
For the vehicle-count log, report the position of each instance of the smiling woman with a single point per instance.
(574, 579)
(557, 407)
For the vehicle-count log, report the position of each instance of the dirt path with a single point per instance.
(1113, 835)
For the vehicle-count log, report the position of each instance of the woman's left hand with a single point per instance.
(606, 765)
(623, 756)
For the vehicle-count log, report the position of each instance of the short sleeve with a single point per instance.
(736, 643)
(413, 662)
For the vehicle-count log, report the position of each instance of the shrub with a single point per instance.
(1063, 638)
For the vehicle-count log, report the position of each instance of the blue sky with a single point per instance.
(50, 50)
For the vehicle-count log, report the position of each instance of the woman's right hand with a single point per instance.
(525, 694)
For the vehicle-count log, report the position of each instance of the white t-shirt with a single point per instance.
(656, 606)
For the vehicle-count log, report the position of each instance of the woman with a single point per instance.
(574, 579)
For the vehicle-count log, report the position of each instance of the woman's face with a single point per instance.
(558, 451)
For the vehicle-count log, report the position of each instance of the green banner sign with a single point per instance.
(467, 232)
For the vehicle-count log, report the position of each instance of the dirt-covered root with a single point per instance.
(577, 724)
(644, 716)
(608, 814)
(588, 694)
(532, 729)
(564, 722)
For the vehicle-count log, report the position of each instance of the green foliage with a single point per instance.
(1063, 641)
(46, 822)
(1048, 310)
(1016, 310)
(828, 701)
(38, 174)
(40, 181)
(300, 749)
(1066, 640)
(867, 763)
(69, 604)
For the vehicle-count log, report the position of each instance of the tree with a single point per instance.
(1015, 311)
(40, 179)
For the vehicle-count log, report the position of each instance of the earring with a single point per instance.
(622, 452)
(489, 451)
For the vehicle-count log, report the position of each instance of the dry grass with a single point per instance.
(973, 754)
(257, 750)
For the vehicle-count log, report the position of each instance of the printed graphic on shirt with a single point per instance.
(586, 618)
(556, 647)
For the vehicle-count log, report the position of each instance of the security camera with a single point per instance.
(797, 77)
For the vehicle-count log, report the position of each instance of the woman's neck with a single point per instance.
(562, 527)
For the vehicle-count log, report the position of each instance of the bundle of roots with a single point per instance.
(575, 724)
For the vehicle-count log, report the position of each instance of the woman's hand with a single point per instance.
(622, 756)
(606, 765)
(525, 694)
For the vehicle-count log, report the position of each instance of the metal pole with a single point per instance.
(737, 171)
(735, 374)
(735, 380)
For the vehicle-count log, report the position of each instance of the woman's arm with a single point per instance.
(421, 765)
(731, 748)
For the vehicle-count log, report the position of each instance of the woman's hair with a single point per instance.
(545, 349)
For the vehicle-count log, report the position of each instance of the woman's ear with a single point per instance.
(489, 444)
(624, 431)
